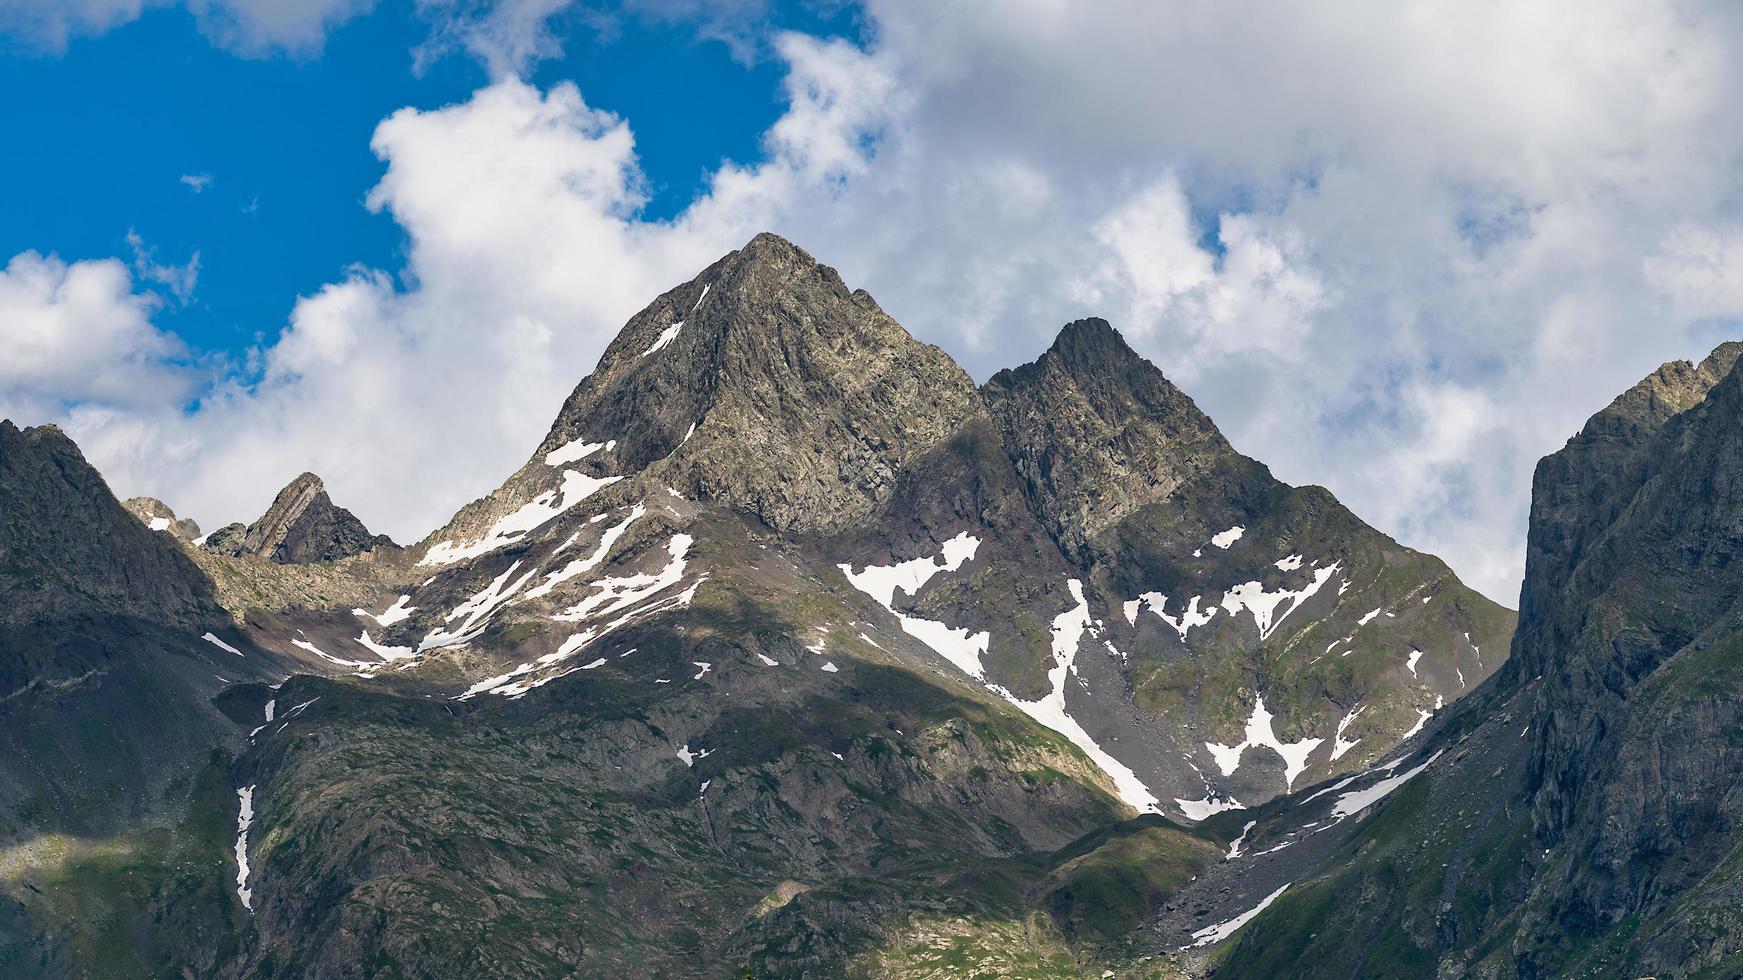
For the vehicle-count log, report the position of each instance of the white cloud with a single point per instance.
(178, 279)
(1398, 249)
(197, 182)
(1701, 270)
(507, 36)
(53, 23)
(79, 334)
(250, 27)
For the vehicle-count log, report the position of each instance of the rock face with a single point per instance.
(302, 526)
(1592, 789)
(764, 384)
(157, 516)
(1097, 433)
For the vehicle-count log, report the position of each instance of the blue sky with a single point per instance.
(113, 124)
(1400, 250)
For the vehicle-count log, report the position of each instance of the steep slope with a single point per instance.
(1578, 817)
(113, 789)
(302, 526)
(764, 384)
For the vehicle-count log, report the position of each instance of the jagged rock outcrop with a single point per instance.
(302, 526)
(157, 515)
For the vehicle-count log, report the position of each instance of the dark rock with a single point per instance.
(302, 526)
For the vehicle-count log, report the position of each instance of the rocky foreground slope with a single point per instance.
(789, 648)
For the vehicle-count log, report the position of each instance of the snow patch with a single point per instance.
(244, 818)
(1289, 564)
(1204, 809)
(1210, 935)
(220, 644)
(386, 653)
(961, 647)
(1068, 629)
(1264, 605)
(317, 651)
(1235, 848)
(579, 566)
(477, 611)
(666, 337)
(619, 592)
(512, 527)
(575, 451)
(159, 524)
(1338, 745)
(1260, 734)
(1181, 624)
(1353, 803)
(1415, 655)
(395, 613)
(1421, 720)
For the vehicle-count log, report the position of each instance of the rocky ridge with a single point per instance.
(791, 648)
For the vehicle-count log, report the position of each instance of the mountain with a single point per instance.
(1577, 816)
(302, 526)
(788, 649)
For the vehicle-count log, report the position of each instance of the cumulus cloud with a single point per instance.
(1401, 250)
(79, 334)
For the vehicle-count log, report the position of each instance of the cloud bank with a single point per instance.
(1401, 250)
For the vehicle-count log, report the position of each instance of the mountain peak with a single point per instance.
(791, 396)
(1092, 342)
(767, 246)
(1098, 431)
(302, 526)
